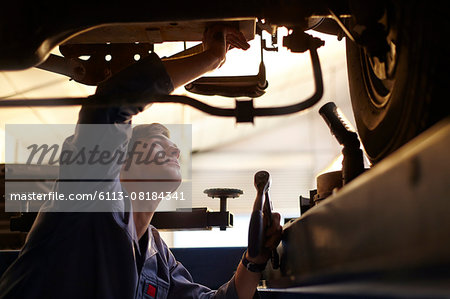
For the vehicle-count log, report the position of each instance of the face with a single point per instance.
(154, 159)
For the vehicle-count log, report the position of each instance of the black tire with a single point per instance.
(391, 111)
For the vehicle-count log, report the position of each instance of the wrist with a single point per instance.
(260, 259)
(255, 265)
(213, 59)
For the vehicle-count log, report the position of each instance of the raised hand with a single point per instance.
(218, 39)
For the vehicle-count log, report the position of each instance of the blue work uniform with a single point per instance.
(98, 255)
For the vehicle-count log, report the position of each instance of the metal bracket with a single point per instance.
(104, 60)
(274, 37)
(299, 42)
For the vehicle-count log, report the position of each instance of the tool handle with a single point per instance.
(255, 234)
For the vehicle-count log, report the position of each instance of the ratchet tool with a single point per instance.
(262, 205)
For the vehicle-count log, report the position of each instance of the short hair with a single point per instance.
(146, 131)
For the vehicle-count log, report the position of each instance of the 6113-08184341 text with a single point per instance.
(50, 196)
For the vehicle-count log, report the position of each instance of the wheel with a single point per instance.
(396, 100)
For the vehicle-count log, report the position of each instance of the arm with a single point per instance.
(217, 41)
(187, 69)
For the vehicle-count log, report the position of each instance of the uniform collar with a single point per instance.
(152, 250)
(129, 220)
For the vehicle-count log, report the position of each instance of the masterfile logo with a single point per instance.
(86, 167)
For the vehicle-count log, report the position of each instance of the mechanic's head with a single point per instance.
(152, 160)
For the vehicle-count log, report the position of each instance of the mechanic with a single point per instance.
(118, 254)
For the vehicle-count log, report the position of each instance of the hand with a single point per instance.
(218, 39)
(272, 237)
(247, 281)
